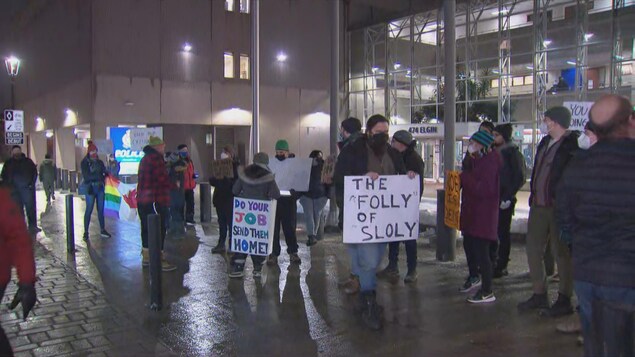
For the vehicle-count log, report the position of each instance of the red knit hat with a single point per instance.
(91, 147)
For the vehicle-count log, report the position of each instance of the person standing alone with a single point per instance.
(47, 177)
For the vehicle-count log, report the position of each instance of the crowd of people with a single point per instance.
(581, 210)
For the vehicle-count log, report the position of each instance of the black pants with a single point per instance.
(24, 197)
(189, 205)
(146, 209)
(49, 189)
(241, 258)
(479, 260)
(286, 216)
(504, 240)
(411, 254)
(224, 213)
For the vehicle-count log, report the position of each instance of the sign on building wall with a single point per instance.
(420, 131)
(292, 174)
(139, 137)
(129, 159)
(13, 127)
(382, 210)
(252, 226)
(452, 217)
(579, 114)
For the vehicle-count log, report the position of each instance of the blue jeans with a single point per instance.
(367, 256)
(98, 195)
(588, 294)
(312, 208)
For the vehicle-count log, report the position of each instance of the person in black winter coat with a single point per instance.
(223, 200)
(19, 173)
(314, 201)
(94, 178)
(512, 179)
(403, 142)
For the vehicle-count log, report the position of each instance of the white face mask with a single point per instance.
(224, 156)
(584, 142)
(544, 129)
(472, 149)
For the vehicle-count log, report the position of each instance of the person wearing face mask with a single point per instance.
(190, 177)
(19, 173)
(403, 142)
(223, 200)
(512, 178)
(286, 216)
(314, 200)
(479, 214)
(113, 166)
(553, 154)
(370, 155)
(588, 137)
(595, 209)
(94, 176)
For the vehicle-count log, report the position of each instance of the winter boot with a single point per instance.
(535, 302)
(371, 313)
(561, 307)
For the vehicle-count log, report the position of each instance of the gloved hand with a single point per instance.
(505, 204)
(25, 295)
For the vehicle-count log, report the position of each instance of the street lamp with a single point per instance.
(12, 64)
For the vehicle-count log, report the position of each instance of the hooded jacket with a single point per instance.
(257, 183)
(154, 183)
(512, 175)
(47, 171)
(93, 171)
(16, 249)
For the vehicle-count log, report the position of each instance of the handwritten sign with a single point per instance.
(380, 211)
(328, 169)
(579, 114)
(253, 224)
(222, 168)
(139, 137)
(452, 216)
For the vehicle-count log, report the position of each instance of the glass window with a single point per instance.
(229, 65)
(229, 5)
(244, 67)
(244, 6)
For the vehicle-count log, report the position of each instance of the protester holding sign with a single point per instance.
(286, 216)
(223, 198)
(254, 182)
(368, 156)
(94, 184)
(479, 214)
(403, 142)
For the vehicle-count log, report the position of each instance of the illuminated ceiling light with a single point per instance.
(587, 36)
(546, 43)
(529, 67)
(573, 63)
(502, 12)
(495, 71)
(397, 65)
(374, 69)
(128, 103)
(13, 65)
(281, 57)
(49, 134)
(187, 47)
(71, 118)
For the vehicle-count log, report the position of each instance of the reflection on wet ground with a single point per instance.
(300, 310)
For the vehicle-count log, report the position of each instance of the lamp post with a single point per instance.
(12, 64)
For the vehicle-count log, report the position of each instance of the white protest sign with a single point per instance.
(104, 146)
(579, 114)
(139, 137)
(252, 226)
(292, 174)
(380, 211)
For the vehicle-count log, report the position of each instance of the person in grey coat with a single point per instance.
(255, 182)
(47, 177)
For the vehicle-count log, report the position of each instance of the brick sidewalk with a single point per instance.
(72, 318)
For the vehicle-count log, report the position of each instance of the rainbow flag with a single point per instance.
(121, 200)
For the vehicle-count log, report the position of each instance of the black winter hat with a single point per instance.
(505, 130)
(352, 125)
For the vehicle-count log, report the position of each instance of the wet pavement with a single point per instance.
(296, 311)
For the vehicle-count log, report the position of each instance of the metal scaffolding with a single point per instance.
(582, 29)
(540, 18)
(473, 13)
(505, 10)
(616, 49)
(374, 37)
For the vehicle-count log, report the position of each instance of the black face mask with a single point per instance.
(280, 157)
(379, 143)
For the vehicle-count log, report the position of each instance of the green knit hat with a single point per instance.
(282, 145)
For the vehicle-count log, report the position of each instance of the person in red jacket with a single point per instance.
(153, 195)
(15, 251)
(479, 214)
(189, 183)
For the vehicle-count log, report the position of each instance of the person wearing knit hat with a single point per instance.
(479, 215)
(93, 187)
(286, 216)
(404, 137)
(553, 155)
(512, 178)
(350, 131)
(20, 174)
(258, 183)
